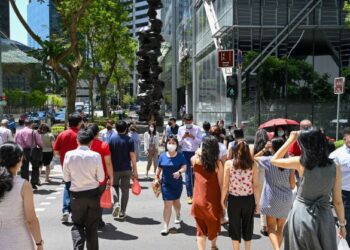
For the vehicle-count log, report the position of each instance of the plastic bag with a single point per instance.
(106, 198)
(136, 188)
(343, 245)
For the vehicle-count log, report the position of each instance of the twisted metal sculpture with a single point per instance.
(150, 87)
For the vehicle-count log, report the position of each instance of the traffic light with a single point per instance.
(232, 86)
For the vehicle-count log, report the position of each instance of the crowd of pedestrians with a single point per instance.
(287, 177)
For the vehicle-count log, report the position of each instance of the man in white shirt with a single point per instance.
(190, 138)
(5, 133)
(341, 156)
(83, 169)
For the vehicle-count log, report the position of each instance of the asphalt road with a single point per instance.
(140, 230)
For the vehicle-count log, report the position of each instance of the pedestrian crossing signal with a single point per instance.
(232, 86)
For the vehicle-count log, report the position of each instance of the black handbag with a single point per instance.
(36, 153)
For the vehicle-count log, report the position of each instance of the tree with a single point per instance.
(110, 48)
(63, 55)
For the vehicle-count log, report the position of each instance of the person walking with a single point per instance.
(206, 127)
(67, 141)
(341, 156)
(83, 169)
(5, 132)
(171, 166)
(124, 167)
(241, 184)
(190, 138)
(103, 149)
(206, 207)
(277, 197)
(171, 129)
(310, 224)
(151, 147)
(29, 139)
(20, 228)
(135, 137)
(106, 133)
(48, 141)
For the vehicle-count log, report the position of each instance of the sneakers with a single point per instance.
(65, 217)
(189, 200)
(122, 216)
(116, 210)
(165, 231)
(177, 219)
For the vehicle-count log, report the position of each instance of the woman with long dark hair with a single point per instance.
(310, 224)
(206, 208)
(151, 146)
(277, 197)
(241, 185)
(19, 224)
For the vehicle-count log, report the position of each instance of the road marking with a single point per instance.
(56, 192)
(39, 209)
(45, 203)
(60, 188)
(51, 198)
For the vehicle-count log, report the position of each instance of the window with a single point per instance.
(141, 8)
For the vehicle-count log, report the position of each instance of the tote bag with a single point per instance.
(106, 198)
(136, 188)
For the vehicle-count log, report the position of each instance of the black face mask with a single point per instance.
(170, 124)
(109, 127)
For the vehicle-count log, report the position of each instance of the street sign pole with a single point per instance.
(338, 109)
(239, 98)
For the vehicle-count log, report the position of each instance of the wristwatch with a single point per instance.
(40, 243)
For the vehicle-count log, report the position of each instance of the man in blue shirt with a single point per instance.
(124, 166)
(341, 156)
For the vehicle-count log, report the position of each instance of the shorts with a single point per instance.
(47, 158)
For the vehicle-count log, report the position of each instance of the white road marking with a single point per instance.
(51, 198)
(45, 203)
(60, 188)
(56, 192)
(39, 209)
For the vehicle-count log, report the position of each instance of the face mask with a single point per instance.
(221, 125)
(169, 124)
(280, 133)
(109, 127)
(189, 126)
(151, 129)
(171, 147)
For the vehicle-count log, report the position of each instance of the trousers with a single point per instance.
(189, 173)
(25, 167)
(121, 180)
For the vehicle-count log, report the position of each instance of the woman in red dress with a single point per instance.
(206, 208)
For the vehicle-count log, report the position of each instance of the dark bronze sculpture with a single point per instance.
(151, 88)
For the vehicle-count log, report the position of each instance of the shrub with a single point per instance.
(339, 143)
(56, 129)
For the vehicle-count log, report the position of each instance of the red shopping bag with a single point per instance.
(106, 198)
(135, 187)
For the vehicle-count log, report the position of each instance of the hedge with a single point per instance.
(56, 129)
(339, 143)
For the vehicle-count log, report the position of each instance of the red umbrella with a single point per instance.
(278, 122)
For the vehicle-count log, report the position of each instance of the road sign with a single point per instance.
(232, 85)
(225, 58)
(339, 84)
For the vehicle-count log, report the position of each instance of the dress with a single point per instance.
(14, 233)
(310, 224)
(171, 187)
(277, 197)
(206, 207)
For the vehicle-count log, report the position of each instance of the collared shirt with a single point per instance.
(188, 144)
(25, 137)
(105, 134)
(83, 168)
(103, 149)
(6, 134)
(341, 156)
(66, 141)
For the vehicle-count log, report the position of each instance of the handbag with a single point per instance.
(36, 153)
(106, 198)
(135, 187)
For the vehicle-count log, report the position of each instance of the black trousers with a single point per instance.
(86, 214)
(25, 167)
(240, 212)
(346, 201)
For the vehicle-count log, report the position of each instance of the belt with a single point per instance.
(86, 193)
(316, 205)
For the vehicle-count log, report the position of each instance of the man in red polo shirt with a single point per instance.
(103, 149)
(294, 149)
(67, 141)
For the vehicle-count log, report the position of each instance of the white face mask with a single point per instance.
(151, 129)
(171, 147)
(189, 126)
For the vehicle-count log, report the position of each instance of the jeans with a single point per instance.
(346, 201)
(25, 167)
(66, 198)
(122, 180)
(189, 173)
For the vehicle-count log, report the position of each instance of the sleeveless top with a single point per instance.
(241, 182)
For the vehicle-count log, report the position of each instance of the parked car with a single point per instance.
(59, 118)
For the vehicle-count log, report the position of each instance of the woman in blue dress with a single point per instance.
(171, 165)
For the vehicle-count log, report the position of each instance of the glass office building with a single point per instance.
(313, 31)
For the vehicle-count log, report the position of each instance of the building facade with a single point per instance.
(313, 31)
(5, 18)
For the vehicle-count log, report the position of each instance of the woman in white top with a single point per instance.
(48, 141)
(19, 226)
(151, 146)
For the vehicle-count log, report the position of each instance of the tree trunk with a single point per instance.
(71, 96)
(91, 97)
(104, 105)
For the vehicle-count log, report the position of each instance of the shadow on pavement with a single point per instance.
(186, 229)
(142, 221)
(109, 232)
(44, 191)
(52, 183)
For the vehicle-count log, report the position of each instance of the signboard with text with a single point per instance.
(225, 58)
(339, 85)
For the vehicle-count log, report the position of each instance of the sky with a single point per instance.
(17, 32)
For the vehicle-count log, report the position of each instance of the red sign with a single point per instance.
(226, 58)
(339, 84)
